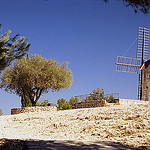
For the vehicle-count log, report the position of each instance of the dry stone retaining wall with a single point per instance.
(89, 104)
(32, 109)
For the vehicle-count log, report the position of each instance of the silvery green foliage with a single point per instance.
(34, 76)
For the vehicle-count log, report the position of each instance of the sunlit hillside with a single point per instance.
(127, 123)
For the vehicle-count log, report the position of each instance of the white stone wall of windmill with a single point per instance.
(139, 65)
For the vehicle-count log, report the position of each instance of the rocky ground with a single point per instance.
(127, 123)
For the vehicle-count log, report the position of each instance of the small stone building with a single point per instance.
(146, 81)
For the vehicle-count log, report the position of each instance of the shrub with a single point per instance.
(63, 104)
(73, 100)
(66, 106)
(52, 104)
(45, 103)
(1, 112)
(97, 94)
(60, 103)
(111, 99)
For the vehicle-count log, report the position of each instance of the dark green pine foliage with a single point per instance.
(137, 5)
(11, 48)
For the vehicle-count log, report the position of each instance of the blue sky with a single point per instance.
(89, 34)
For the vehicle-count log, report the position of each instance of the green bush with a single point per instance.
(1, 112)
(45, 103)
(97, 94)
(111, 99)
(63, 104)
(52, 104)
(66, 106)
(73, 100)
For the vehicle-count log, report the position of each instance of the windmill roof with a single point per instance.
(146, 65)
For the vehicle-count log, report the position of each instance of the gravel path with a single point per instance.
(127, 123)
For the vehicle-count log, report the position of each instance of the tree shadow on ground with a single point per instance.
(64, 145)
(7, 144)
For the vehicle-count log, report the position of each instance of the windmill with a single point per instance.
(133, 65)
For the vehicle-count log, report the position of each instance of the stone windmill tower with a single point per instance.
(146, 81)
(133, 65)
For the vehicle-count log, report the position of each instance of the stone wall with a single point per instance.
(32, 109)
(89, 104)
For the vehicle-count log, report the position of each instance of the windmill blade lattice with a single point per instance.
(127, 64)
(133, 65)
(143, 44)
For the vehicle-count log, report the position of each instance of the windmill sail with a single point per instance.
(142, 53)
(127, 64)
(132, 65)
(143, 44)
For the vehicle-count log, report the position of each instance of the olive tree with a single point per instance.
(34, 76)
